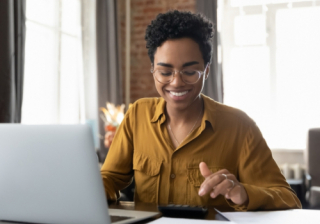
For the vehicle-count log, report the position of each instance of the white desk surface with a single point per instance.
(293, 216)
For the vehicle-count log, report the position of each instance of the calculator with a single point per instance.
(186, 211)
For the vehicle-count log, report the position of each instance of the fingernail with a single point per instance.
(212, 195)
(227, 196)
(201, 192)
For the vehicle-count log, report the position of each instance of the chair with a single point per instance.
(313, 168)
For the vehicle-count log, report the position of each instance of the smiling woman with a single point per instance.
(185, 148)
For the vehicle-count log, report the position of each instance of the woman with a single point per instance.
(185, 148)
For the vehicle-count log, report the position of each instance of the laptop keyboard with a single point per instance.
(115, 218)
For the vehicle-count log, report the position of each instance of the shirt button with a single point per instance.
(173, 176)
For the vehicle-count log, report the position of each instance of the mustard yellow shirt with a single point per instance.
(227, 138)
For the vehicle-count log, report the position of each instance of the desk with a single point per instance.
(296, 216)
(126, 205)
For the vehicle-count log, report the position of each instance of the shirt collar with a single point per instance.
(159, 110)
(209, 110)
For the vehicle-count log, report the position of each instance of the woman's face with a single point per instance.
(179, 54)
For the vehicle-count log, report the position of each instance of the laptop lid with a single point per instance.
(50, 174)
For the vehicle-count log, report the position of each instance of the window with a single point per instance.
(53, 83)
(271, 69)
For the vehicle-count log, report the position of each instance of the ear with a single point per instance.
(207, 72)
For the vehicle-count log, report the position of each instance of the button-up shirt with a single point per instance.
(226, 139)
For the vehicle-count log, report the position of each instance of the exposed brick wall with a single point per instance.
(142, 12)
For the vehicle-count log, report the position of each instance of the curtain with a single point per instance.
(12, 41)
(214, 84)
(109, 80)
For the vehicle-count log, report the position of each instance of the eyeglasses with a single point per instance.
(188, 76)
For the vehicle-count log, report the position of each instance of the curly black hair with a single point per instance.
(177, 24)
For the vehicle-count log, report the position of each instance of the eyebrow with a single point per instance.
(184, 65)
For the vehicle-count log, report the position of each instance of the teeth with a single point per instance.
(179, 93)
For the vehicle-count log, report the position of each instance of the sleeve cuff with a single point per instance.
(111, 194)
(256, 196)
(246, 206)
(240, 208)
(113, 197)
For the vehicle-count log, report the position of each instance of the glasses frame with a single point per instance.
(173, 73)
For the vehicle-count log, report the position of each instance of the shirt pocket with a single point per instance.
(147, 178)
(195, 179)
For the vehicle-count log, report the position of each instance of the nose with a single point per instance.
(177, 79)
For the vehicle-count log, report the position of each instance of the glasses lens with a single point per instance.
(190, 76)
(163, 76)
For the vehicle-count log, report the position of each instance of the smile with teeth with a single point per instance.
(178, 93)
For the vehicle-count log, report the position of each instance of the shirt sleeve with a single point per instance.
(117, 169)
(266, 187)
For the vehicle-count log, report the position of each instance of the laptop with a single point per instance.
(50, 174)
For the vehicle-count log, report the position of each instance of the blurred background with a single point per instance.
(76, 55)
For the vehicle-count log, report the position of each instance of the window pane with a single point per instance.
(44, 12)
(71, 20)
(53, 65)
(70, 79)
(250, 30)
(247, 82)
(298, 75)
(40, 80)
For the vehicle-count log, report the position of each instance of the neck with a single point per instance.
(189, 114)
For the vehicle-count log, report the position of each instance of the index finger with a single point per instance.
(211, 181)
(204, 170)
(219, 172)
